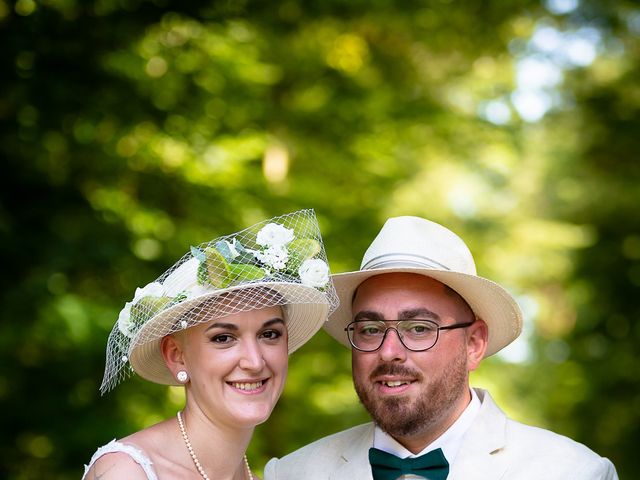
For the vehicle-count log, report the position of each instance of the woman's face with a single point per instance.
(237, 365)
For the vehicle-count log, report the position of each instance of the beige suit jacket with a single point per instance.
(494, 448)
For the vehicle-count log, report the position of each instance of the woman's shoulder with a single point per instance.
(117, 460)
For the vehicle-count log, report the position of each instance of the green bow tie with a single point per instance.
(385, 466)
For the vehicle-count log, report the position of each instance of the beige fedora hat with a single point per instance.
(416, 245)
(277, 262)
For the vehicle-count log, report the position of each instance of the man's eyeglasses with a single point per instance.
(416, 335)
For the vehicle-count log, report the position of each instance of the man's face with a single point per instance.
(415, 395)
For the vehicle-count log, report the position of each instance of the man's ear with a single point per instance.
(172, 352)
(477, 340)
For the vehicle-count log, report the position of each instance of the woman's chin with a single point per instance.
(251, 419)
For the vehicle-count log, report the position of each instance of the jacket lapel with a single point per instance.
(355, 459)
(481, 454)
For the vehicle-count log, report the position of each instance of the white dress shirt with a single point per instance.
(449, 441)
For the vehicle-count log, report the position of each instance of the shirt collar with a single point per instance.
(449, 441)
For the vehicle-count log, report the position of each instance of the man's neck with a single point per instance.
(419, 441)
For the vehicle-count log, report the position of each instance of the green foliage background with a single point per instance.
(130, 130)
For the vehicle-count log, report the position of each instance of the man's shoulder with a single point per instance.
(524, 435)
(534, 449)
(336, 442)
(546, 445)
(323, 455)
(543, 439)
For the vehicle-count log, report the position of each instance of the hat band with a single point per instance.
(407, 260)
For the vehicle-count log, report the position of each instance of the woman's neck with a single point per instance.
(219, 447)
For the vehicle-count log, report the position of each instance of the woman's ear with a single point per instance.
(172, 352)
(477, 340)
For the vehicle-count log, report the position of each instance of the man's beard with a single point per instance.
(397, 415)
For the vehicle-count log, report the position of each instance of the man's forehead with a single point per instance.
(398, 294)
(410, 283)
(400, 314)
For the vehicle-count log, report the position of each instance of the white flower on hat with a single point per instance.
(274, 234)
(275, 256)
(314, 273)
(153, 289)
(125, 324)
(196, 291)
(180, 278)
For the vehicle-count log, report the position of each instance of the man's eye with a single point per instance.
(370, 330)
(419, 328)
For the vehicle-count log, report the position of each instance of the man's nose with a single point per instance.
(392, 348)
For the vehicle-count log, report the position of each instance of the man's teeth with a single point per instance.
(395, 383)
(247, 386)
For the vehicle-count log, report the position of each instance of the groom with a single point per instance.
(418, 319)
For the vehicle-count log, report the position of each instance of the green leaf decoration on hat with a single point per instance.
(201, 275)
(147, 307)
(301, 249)
(213, 268)
(235, 252)
(305, 227)
(242, 272)
(229, 262)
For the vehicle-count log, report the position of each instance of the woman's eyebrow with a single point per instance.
(273, 321)
(226, 326)
(234, 327)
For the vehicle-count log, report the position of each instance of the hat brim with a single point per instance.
(303, 320)
(488, 300)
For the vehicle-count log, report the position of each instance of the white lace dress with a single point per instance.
(137, 455)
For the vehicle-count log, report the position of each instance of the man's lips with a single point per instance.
(393, 386)
(395, 382)
(394, 375)
(391, 379)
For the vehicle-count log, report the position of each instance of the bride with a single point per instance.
(220, 322)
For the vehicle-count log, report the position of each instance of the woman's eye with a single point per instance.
(271, 334)
(223, 339)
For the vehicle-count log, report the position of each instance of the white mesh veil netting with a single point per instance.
(280, 261)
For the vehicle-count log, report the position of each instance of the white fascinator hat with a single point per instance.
(280, 261)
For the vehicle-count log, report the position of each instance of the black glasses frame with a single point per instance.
(454, 326)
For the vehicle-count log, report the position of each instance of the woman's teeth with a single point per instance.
(247, 386)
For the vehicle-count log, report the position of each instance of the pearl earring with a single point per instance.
(182, 376)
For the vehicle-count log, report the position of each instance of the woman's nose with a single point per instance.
(252, 358)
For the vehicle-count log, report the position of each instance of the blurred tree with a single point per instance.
(133, 129)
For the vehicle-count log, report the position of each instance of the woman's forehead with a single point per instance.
(254, 316)
(230, 303)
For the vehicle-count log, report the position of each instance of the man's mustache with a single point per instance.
(395, 369)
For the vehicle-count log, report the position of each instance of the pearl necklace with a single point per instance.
(193, 454)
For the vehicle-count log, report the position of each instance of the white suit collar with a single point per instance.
(479, 456)
(355, 459)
